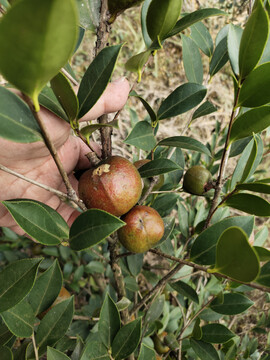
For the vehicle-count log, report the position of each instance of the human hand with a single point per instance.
(35, 162)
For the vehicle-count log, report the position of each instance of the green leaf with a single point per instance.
(54, 324)
(131, 284)
(89, 12)
(203, 250)
(253, 40)
(264, 278)
(6, 353)
(249, 203)
(48, 100)
(88, 130)
(137, 62)
(186, 290)
(20, 319)
(202, 37)
(233, 304)
(91, 227)
(109, 321)
(65, 95)
(235, 257)
(206, 108)
(135, 263)
(40, 37)
(182, 99)
(95, 350)
(194, 17)
(216, 333)
(252, 121)
(161, 17)
(127, 339)
(96, 78)
(38, 220)
(46, 289)
(16, 280)
(263, 253)
(145, 34)
(53, 354)
(255, 90)
(148, 108)
(250, 162)
(5, 334)
(142, 136)
(192, 60)
(155, 310)
(220, 57)
(185, 142)
(158, 167)
(146, 353)
(234, 38)
(204, 350)
(17, 122)
(197, 330)
(255, 187)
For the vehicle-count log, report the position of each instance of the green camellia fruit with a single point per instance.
(144, 228)
(147, 181)
(197, 180)
(115, 186)
(116, 7)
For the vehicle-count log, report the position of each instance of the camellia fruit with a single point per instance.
(146, 181)
(197, 180)
(115, 186)
(144, 228)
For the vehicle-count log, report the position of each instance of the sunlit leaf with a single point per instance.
(249, 203)
(233, 304)
(185, 142)
(192, 60)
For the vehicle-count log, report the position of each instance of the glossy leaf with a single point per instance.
(250, 162)
(203, 250)
(41, 37)
(235, 257)
(185, 142)
(263, 253)
(6, 353)
(20, 319)
(91, 227)
(48, 100)
(216, 333)
(158, 167)
(204, 350)
(46, 288)
(161, 17)
(147, 353)
(17, 123)
(264, 278)
(88, 130)
(234, 38)
(38, 220)
(202, 37)
(192, 60)
(253, 39)
(109, 321)
(53, 354)
(145, 34)
(54, 324)
(252, 121)
(233, 304)
(141, 136)
(96, 78)
(186, 290)
(181, 100)
(206, 108)
(16, 280)
(89, 12)
(249, 203)
(194, 17)
(255, 90)
(65, 95)
(220, 57)
(148, 108)
(126, 340)
(254, 187)
(137, 62)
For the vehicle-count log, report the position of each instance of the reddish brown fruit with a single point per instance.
(115, 186)
(144, 228)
